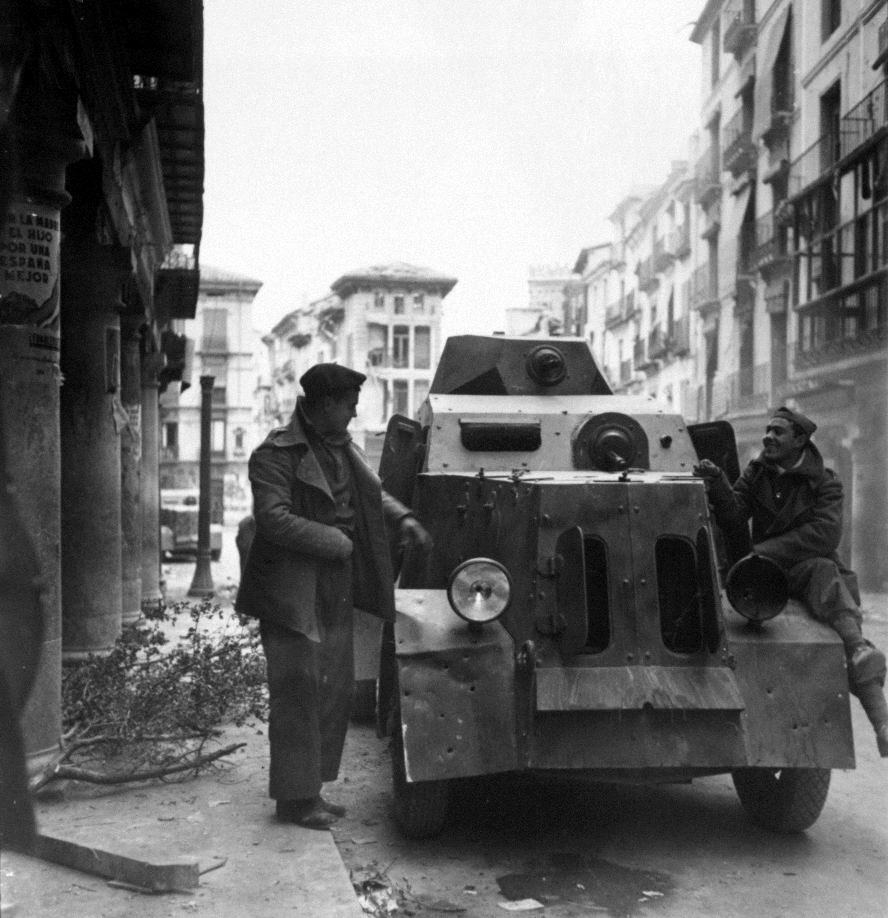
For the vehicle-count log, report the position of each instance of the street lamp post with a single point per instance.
(202, 584)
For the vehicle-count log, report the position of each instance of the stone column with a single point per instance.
(202, 582)
(30, 277)
(152, 598)
(92, 418)
(131, 470)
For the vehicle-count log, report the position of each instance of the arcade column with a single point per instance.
(152, 598)
(131, 469)
(30, 279)
(92, 422)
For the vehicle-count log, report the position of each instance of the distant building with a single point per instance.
(549, 292)
(384, 321)
(224, 348)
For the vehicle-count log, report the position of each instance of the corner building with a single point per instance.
(384, 321)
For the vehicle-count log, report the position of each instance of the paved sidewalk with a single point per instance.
(255, 867)
(224, 820)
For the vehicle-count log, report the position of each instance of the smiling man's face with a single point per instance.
(782, 444)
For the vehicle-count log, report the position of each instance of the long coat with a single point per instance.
(294, 515)
(795, 516)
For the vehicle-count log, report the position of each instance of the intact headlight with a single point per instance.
(479, 590)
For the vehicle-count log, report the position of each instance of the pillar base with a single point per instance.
(152, 604)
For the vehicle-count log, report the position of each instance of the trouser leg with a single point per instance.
(830, 592)
(337, 663)
(828, 589)
(310, 687)
(294, 733)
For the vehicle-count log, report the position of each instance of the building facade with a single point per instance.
(101, 192)
(796, 113)
(224, 345)
(384, 321)
(758, 274)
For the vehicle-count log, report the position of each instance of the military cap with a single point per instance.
(804, 424)
(329, 379)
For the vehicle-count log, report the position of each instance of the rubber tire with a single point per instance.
(364, 704)
(782, 799)
(420, 806)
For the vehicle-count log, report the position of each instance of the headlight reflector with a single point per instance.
(479, 590)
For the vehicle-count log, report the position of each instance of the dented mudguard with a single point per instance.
(456, 692)
(794, 683)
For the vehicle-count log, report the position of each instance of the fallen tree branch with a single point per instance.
(62, 772)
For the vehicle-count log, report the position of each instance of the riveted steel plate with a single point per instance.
(456, 691)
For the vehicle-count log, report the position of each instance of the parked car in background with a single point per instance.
(178, 525)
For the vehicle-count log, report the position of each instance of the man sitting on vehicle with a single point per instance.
(795, 504)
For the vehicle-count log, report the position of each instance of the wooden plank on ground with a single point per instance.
(133, 869)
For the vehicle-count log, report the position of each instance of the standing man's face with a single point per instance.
(338, 412)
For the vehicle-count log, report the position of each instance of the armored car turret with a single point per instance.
(571, 616)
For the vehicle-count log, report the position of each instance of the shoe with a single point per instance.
(882, 740)
(309, 814)
(334, 809)
(867, 664)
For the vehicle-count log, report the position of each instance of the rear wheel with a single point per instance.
(782, 799)
(420, 806)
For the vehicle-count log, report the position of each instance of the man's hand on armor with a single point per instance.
(707, 470)
(413, 536)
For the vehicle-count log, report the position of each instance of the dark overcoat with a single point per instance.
(294, 515)
(795, 516)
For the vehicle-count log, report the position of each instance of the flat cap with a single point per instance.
(329, 379)
(796, 417)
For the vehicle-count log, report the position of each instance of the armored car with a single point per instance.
(578, 612)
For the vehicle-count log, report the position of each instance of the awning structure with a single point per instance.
(729, 241)
(764, 81)
(165, 42)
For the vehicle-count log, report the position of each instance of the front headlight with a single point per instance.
(479, 590)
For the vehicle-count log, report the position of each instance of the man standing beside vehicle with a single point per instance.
(321, 544)
(795, 504)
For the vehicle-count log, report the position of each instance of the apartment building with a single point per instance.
(641, 294)
(793, 197)
(384, 321)
(758, 275)
(224, 345)
(548, 295)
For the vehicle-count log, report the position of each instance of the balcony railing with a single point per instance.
(882, 51)
(771, 241)
(707, 174)
(865, 119)
(657, 342)
(680, 240)
(613, 314)
(680, 336)
(647, 276)
(738, 26)
(748, 389)
(739, 150)
(844, 324)
(814, 163)
(850, 252)
(704, 289)
(169, 453)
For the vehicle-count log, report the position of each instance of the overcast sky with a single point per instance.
(476, 138)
